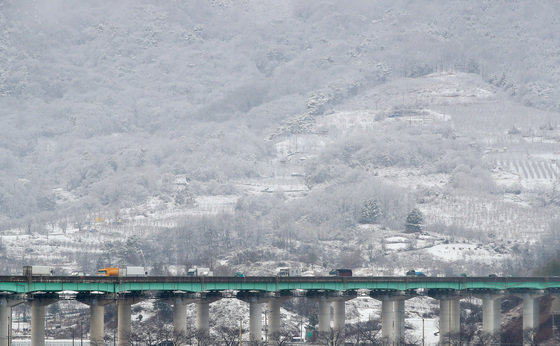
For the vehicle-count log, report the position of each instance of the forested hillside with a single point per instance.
(104, 102)
(237, 124)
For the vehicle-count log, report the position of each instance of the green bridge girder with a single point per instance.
(22, 284)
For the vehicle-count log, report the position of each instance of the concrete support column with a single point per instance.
(387, 320)
(5, 312)
(96, 304)
(392, 315)
(530, 312)
(203, 302)
(399, 319)
(179, 317)
(255, 320)
(274, 322)
(491, 313)
(203, 317)
(124, 320)
(339, 309)
(96, 325)
(37, 324)
(38, 305)
(392, 319)
(449, 319)
(324, 315)
(179, 302)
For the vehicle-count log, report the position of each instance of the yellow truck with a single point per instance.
(124, 271)
(108, 272)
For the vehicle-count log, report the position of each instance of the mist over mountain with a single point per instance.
(248, 135)
(449, 106)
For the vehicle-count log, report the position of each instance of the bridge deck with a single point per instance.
(23, 284)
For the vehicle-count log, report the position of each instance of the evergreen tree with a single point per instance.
(371, 211)
(414, 221)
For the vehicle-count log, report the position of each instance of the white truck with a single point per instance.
(200, 272)
(285, 272)
(132, 271)
(38, 271)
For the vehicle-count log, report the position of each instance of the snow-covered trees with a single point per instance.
(371, 211)
(414, 221)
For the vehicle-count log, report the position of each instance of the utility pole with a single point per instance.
(553, 327)
(265, 326)
(422, 331)
(240, 332)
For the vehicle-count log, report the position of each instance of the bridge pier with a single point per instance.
(449, 318)
(5, 312)
(6, 304)
(339, 316)
(97, 324)
(180, 303)
(124, 332)
(255, 300)
(38, 304)
(530, 315)
(338, 300)
(392, 315)
(179, 318)
(491, 314)
(324, 315)
(339, 313)
(392, 320)
(255, 319)
(96, 304)
(203, 312)
(274, 320)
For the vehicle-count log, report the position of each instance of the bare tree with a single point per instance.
(485, 339)
(364, 333)
(228, 336)
(282, 337)
(333, 337)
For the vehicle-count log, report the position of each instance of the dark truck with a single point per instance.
(341, 272)
(413, 272)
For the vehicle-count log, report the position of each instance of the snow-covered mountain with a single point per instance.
(104, 103)
(248, 135)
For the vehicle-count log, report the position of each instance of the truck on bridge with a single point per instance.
(123, 271)
(196, 271)
(341, 272)
(285, 272)
(37, 270)
(413, 272)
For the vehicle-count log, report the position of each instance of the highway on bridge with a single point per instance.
(33, 284)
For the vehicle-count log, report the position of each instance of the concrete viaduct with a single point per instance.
(95, 291)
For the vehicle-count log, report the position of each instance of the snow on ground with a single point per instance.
(396, 246)
(418, 309)
(362, 309)
(426, 327)
(396, 239)
(533, 174)
(412, 178)
(360, 119)
(294, 183)
(487, 214)
(463, 252)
